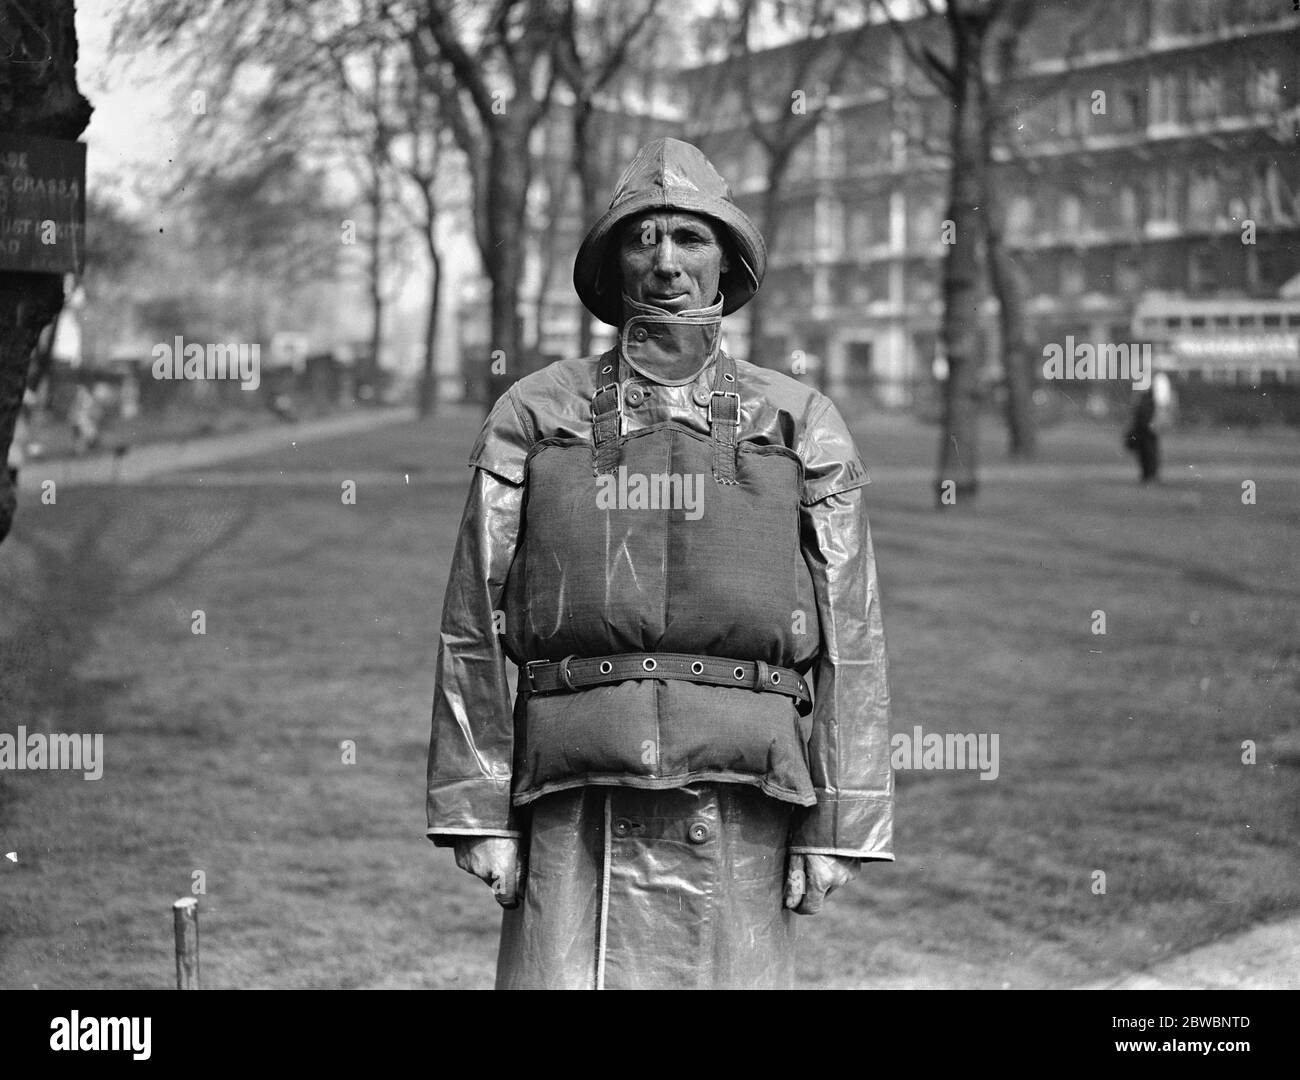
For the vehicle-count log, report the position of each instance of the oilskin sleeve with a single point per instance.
(849, 744)
(472, 739)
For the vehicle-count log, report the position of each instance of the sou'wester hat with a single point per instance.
(668, 174)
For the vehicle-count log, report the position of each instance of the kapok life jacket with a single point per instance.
(662, 540)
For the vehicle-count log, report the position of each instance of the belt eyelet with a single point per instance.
(697, 668)
(606, 667)
(739, 673)
(649, 663)
(729, 377)
(776, 677)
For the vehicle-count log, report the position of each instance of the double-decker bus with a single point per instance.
(1225, 360)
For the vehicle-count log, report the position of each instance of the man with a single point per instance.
(666, 541)
(1142, 438)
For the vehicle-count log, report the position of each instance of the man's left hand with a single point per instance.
(809, 879)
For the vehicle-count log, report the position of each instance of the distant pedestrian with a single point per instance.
(1141, 437)
(84, 415)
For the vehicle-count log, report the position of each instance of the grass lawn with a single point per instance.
(1119, 753)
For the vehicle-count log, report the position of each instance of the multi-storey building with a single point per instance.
(1149, 152)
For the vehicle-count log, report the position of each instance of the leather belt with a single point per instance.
(578, 673)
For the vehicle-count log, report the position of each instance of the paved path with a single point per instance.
(147, 462)
(1263, 958)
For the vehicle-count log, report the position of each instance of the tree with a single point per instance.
(974, 218)
(782, 108)
(592, 51)
(309, 83)
(39, 96)
(495, 76)
(265, 226)
(423, 165)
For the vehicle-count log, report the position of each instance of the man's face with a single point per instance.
(672, 260)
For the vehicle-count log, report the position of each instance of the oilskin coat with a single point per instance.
(628, 884)
(661, 497)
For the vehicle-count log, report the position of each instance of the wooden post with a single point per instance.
(185, 913)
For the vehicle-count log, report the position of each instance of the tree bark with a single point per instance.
(770, 225)
(1017, 354)
(957, 480)
(589, 189)
(509, 170)
(37, 97)
(376, 267)
(1006, 281)
(427, 400)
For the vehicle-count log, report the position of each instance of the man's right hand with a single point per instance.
(496, 860)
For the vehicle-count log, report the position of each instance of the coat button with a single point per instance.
(622, 827)
(640, 334)
(698, 832)
(701, 396)
(635, 395)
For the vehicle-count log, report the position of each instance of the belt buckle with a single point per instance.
(724, 393)
(618, 400)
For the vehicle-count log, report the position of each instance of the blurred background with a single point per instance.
(384, 198)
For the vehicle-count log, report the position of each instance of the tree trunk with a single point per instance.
(957, 479)
(1007, 283)
(428, 393)
(588, 187)
(1017, 355)
(769, 226)
(38, 99)
(376, 267)
(507, 190)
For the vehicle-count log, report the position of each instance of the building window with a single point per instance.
(832, 240)
(1205, 96)
(1132, 28)
(1166, 17)
(1203, 16)
(1127, 109)
(1020, 217)
(1271, 199)
(1263, 87)
(1065, 115)
(1202, 275)
(1130, 215)
(1165, 194)
(1128, 277)
(1203, 200)
(1071, 213)
(1082, 114)
(1165, 99)
(1072, 276)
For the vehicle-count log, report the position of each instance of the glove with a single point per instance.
(494, 859)
(809, 879)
